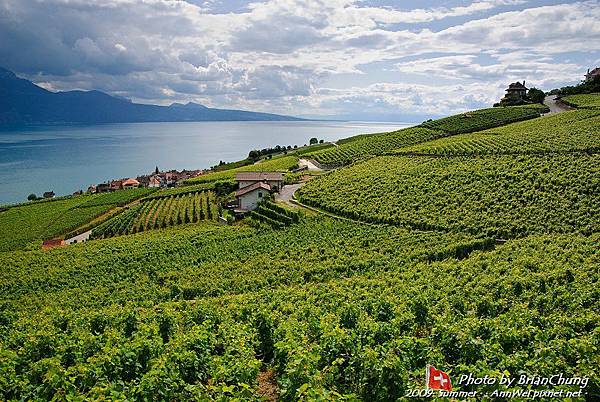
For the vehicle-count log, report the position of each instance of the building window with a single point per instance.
(259, 195)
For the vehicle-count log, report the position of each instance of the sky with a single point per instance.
(354, 59)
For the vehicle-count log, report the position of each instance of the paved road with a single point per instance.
(556, 106)
(287, 192)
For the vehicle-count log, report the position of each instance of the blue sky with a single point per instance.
(375, 60)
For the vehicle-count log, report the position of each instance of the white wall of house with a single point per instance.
(249, 201)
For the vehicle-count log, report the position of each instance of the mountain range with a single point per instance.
(22, 102)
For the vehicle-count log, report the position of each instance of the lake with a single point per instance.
(64, 159)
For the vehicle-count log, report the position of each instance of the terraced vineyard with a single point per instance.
(483, 119)
(275, 215)
(577, 130)
(161, 212)
(501, 196)
(338, 309)
(583, 101)
(29, 224)
(280, 164)
(373, 144)
(363, 146)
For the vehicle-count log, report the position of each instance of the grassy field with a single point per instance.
(25, 225)
(583, 101)
(578, 130)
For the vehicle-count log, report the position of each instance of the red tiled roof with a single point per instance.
(131, 182)
(259, 176)
(252, 187)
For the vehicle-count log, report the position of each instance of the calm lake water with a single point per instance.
(68, 158)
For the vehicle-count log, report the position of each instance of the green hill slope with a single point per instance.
(577, 130)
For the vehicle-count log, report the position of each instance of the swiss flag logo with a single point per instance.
(437, 379)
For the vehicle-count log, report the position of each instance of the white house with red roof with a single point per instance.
(253, 187)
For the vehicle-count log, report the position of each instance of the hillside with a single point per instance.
(23, 102)
(363, 146)
(470, 244)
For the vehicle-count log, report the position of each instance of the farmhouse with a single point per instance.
(49, 194)
(253, 187)
(273, 179)
(516, 89)
(249, 196)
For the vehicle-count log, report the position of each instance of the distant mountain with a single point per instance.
(23, 102)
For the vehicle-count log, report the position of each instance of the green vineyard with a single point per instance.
(469, 243)
(501, 196)
(338, 310)
(373, 144)
(29, 224)
(483, 119)
(280, 164)
(161, 212)
(275, 215)
(362, 146)
(584, 101)
(565, 132)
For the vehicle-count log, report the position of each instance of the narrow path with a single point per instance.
(555, 105)
(79, 238)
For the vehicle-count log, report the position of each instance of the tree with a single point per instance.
(313, 141)
(254, 154)
(32, 197)
(536, 95)
(321, 141)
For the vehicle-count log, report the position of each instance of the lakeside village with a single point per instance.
(252, 186)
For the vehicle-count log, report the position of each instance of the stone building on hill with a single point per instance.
(592, 74)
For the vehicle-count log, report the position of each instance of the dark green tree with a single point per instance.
(313, 141)
(536, 95)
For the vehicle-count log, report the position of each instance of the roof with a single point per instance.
(131, 182)
(517, 85)
(252, 187)
(595, 71)
(259, 176)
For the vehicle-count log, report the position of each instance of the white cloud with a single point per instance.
(276, 54)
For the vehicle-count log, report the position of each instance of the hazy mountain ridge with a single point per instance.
(23, 102)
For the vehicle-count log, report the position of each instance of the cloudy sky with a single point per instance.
(360, 59)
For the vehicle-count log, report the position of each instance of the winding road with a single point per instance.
(555, 105)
